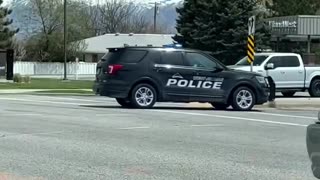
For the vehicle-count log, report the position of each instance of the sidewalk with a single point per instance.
(297, 103)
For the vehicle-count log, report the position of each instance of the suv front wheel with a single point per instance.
(220, 106)
(143, 96)
(243, 99)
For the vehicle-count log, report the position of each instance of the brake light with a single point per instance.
(113, 69)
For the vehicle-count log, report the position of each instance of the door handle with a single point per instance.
(300, 72)
(158, 69)
(282, 72)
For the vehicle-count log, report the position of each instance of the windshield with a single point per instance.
(258, 60)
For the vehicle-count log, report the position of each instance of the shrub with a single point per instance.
(17, 78)
(27, 79)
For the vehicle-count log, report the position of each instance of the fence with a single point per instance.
(54, 69)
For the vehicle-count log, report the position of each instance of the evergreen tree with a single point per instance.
(294, 7)
(219, 26)
(5, 32)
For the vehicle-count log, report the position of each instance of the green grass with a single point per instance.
(48, 84)
(66, 91)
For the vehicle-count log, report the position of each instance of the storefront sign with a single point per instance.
(283, 24)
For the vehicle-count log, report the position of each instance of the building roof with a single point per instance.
(99, 44)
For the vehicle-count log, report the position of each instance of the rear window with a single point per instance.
(172, 58)
(124, 56)
(133, 56)
(291, 61)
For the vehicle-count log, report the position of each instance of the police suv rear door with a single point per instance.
(208, 77)
(174, 76)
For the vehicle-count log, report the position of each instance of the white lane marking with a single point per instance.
(232, 117)
(75, 99)
(207, 125)
(284, 115)
(31, 134)
(111, 114)
(130, 128)
(26, 114)
(41, 101)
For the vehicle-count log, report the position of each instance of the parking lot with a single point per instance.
(89, 137)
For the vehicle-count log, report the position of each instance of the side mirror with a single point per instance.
(217, 69)
(269, 66)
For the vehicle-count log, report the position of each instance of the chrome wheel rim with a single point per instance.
(144, 96)
(244, 99)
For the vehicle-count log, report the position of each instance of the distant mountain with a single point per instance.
(22, 15)
(166, 18)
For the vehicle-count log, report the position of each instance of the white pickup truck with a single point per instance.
(287, 70)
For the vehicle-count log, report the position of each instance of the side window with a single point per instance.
(199, 61)
(290, 61)
(276, 61)
(172, 58)
(285, 61)
(133, 56)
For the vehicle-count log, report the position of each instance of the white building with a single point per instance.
(96, 47)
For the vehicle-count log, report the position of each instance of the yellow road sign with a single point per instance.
(250, 48)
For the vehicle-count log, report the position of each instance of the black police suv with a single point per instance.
(139, 77)
(313, 146)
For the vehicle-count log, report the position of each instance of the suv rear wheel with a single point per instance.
(243, 99)
(143, 96)
(124, 102)
(314, 89)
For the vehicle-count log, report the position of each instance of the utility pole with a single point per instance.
(65, 40)
(156, 12)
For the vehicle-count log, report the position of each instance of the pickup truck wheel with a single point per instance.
(314, 89)
(288, 93)
(143, 96)
(124, 102)
(243, 99)
(220, 106)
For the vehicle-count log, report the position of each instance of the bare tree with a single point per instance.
(48, 14)
(19, 49)
(138, 23)
(121, 16)
(46, 44)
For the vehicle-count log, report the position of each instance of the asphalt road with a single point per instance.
(64, 137)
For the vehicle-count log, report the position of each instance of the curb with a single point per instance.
(278, 106)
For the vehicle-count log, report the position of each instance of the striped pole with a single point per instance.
(250, 50)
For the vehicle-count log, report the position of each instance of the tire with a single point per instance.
(288, 93)
(149, 99)
(314, 89)
(219, 106)
(124, 102)
(243, 99)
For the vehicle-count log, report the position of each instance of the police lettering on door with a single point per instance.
(196, 82)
